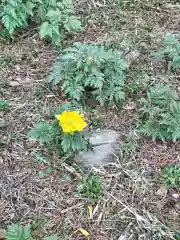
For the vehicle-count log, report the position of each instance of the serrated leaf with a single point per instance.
(26, 232)
(43, 132)
(16, 232)
(66, 142)
(73, 24)
(88, 66)
(54, 16)
(45, 30)
(41, 158)
(9, 24)
(56, 37)
(29, 7)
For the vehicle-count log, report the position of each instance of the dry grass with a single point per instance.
(129, 207)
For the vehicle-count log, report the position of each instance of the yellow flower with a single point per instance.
(71, 121)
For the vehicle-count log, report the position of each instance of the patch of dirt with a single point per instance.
(25, 61)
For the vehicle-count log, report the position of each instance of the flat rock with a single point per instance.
(104, 137)
(105, 145)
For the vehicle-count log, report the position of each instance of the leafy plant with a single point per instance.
(58, 16)
(56, 140)
(171, 175)
(54, 17)
(4, 105)
(170, 50)
(17, 232)
(160, 113)
(90, 187)
(89, 68)
(39, 92)
(74, 143)
(52, 136)
(130, 144)
(42, 159)
(177, 237)
(45, 133)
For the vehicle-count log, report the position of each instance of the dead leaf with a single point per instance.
(176, 196)
(84, 232)
(14, 84)
(130, 106)
(162, 191)
(90, 211)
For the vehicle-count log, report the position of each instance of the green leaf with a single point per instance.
(90, 187)
(29, 7)
(88, 68)
(73, 143)
(26, 232)
(56, 37)
(73, 24)
(160, 114)
(66, 142)
(45, 30)
(4, 105)
(171, 174)
(9, 24)
(46, 172)
(17, 232)
(53, 237)
(41, 159)
(44, 132)
(170, 48)
(54, 16)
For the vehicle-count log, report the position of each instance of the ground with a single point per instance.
(136, 203)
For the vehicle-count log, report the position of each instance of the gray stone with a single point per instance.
(105, 145)
(104, 137)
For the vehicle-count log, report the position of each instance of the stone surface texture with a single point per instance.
(105, 145)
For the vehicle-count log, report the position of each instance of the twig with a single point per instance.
(72, 207)
(38, 81)
(137, 216)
